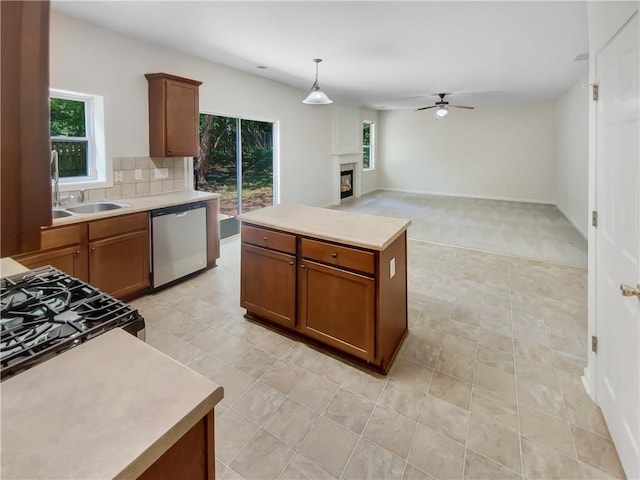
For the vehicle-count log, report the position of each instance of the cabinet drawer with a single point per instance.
(62, 236)
(339, 256)
(118, 225)
(262, 237)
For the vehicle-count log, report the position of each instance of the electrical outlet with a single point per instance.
(138, 174)
(118, 176)
(392, 267)
(160, 173)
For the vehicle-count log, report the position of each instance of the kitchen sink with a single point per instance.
(57, 213)
(95, 207)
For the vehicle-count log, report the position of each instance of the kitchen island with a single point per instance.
(113, 407)
(335, 278)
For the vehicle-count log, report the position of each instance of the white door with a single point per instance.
(618, 242)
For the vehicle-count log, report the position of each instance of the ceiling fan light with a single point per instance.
(441, 112)
(317, 96)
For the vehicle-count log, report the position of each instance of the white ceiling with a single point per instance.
(383, 54)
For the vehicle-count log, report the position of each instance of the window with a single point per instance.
(77, 135)
(368, 141)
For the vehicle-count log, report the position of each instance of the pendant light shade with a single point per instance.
(317, 96)
(441, 112)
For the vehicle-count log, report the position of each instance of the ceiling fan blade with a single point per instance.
(462, 106)
(427, 108)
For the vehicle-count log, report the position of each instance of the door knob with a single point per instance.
(629, 291)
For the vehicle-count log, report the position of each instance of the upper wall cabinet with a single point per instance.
(173, 116)
(346, 130)
(25, 173)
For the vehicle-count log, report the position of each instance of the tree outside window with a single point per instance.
(71, 136)
(368, 135)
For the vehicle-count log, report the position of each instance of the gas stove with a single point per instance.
(45, 312)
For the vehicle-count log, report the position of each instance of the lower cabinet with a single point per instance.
(337, 308)
(190, 457)
(119, 255)
(350, 299)
(64, 248)
(268, 285)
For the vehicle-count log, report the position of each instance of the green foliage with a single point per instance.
(67, 118)
(220, 155)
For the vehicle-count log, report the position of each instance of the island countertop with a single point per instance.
(363, 230)
(108, 408)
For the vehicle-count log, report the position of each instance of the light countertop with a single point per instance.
(140, 204)
(108, 408)
(358, 229)
(8, 266)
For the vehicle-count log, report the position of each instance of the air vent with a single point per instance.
(580, 57)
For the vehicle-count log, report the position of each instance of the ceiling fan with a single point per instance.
(443, 107)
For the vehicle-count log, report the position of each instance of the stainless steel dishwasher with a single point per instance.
(179, 242)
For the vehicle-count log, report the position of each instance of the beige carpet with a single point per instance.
(515, 228)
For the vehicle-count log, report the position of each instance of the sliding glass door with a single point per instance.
(236, 161)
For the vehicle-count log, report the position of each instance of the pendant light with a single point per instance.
(317, 96)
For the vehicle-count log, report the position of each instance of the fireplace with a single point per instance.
(346, 183)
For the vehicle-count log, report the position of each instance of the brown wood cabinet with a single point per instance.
(213, 232)
(268, 286)
(337, 307)
(62, 247)
(190, 457)
(25, 180)
(119, 255)
(337, 295)
(174, 111)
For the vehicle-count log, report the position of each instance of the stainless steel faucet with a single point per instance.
(56, 178)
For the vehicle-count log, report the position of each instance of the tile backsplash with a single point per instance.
(154, 175)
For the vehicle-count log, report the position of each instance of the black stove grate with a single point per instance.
(46, 311)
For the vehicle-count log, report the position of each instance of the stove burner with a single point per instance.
(46, 311)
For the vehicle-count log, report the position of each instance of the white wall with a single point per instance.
(572, 153)
(90, 59)
(490, 152)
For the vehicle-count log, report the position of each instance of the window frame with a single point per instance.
(370, 146)
(97, 168)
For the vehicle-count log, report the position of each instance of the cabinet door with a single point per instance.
(182, 119)
(119, 265)
(268, 285)
(337, 307)
(71, 260)
(213, 232)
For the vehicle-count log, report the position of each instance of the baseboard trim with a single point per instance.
(461, 195)
(575, 225)
(587, 384)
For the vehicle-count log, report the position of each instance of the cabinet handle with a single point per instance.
(290, 263)
(93, 249)
(77, 252)
(303, 266)
(265, 238)
(170, 151)
(334, 255)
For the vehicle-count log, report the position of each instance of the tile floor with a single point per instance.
(487, 384)
(525, 229)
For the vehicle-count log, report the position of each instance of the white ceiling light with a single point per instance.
(442, 111)
(317, 96)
